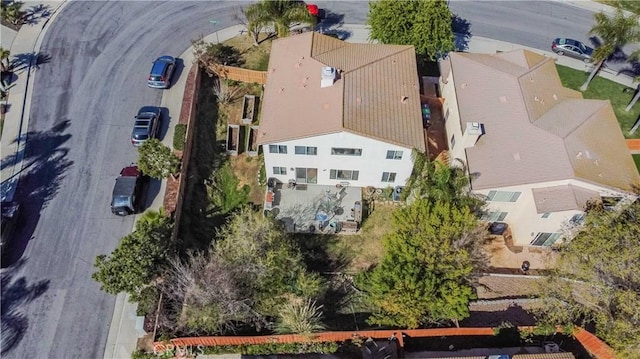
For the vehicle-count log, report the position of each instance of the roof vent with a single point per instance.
(464, 85)
(516, 156)
(503, 99)
(404, 99)
(555, 97)
(536, 99)
(328, 76)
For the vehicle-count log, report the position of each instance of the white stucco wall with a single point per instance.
(523, 218)
(452, 119)
(371, 164)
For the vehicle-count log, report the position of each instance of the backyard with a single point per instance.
(603, 89)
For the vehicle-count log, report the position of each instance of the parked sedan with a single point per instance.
(146, 125)
(572, 48)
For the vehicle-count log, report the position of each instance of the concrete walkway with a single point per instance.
(126, 327)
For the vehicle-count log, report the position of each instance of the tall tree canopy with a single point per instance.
(137, 259)
(614, 31)
(279, 14)
(424, 24)
(597, 280)
(426, 272)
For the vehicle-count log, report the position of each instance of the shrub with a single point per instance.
(180, 136)
(274, 348)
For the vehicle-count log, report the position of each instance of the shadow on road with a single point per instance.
(462, 32)
(44, 164)
(22, 61)
(16, 292)
(331, 24)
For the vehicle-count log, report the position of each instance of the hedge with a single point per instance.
(274, 348)
(179, 137)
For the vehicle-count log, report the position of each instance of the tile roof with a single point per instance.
(536, 130)
(377, 93)
(562, 198)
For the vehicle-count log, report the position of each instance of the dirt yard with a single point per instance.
(247, 169)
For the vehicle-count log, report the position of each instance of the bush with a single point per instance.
(180, 136)
(148, 301)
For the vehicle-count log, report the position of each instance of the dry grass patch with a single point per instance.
(247, 170)
(367, 246)
(255, 57)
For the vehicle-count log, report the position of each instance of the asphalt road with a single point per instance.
(90, 83)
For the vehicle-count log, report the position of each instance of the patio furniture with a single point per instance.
(357, 212)
(349, 226)
(268, 200)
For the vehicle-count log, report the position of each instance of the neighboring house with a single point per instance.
(336, 112)
(538, 151)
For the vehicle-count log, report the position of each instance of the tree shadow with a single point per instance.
(35, 13)
(16, 293)
(462, 31)
(29, 60)
(44, 164)
(331, 23)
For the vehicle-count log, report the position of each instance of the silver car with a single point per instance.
(572, 48)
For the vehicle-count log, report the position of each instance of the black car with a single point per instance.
(161, 72)
(146, 125)
(572, 48)
(127, 191)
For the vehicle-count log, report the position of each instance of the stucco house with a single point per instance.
(536, 150)
(340, 113)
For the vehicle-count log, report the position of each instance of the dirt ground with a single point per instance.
(247, 169)
(252, 55)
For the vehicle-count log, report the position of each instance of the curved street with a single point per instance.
(91, 80)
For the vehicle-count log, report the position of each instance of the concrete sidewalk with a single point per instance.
(16, 120)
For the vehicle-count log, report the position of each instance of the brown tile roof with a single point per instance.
(376, 94)
(535, 129)
(562, 198)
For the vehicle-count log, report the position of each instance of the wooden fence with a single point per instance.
(589, 341)
(239, 74)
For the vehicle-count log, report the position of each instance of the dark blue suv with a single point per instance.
(161, 72)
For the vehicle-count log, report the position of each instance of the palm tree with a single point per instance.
(299, 317)
(11, 11)
(615, 32)
(4, 59)
(278, 13)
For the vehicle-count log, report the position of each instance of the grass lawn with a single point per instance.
(255, 57)
(604, 89)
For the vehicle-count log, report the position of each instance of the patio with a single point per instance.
(310, 208)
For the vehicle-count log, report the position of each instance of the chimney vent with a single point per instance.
(328, 76)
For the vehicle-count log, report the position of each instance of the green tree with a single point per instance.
(225, 192)
(4, 59)
(614, 32)
(424, 24)
(157, 160)
(426, 273)
(137, 259)
(11, 11)
(279, 14)
(596, 280)
(299, 317)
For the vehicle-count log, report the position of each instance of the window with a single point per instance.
(453, 141)
(394, 155)
(307, 175)
(277, 149)
(577, 218)
(546, 215)
(610, 202)
(446, 115)
(503, 196)
(494, 216)
(388, 176)
(279, 170)
(303, 150)
(346, 151)
(545, 239)
(344, 175)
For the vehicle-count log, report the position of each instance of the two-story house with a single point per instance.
(335, 112)
(536, 150)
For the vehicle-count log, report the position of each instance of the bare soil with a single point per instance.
(252, 55)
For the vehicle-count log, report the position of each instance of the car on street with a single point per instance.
(146, 125)
(161, 72)
(572, 48)
(127, 191)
